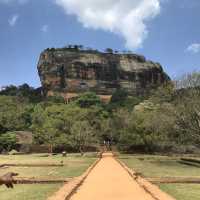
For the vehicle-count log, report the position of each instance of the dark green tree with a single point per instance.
(14, 114)
(119, 97)
(109, 50)
(88, 99)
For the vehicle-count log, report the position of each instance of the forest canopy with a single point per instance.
(168, 119)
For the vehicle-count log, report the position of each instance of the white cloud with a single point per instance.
(13, 1)
(45, 28)
(194, 48)
(126, 18)
(13, 19)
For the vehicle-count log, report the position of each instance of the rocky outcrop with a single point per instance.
(71, 71)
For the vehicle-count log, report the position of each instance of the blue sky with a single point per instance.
(166, 31)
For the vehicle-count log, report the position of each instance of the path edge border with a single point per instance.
(150, 188)
(68, 189)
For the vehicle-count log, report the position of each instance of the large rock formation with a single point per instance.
(70, 71)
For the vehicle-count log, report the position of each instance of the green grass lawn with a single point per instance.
(182, 191)
(165, 166)
(74, 165)
(29, 192)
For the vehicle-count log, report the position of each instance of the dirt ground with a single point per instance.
(110, 181)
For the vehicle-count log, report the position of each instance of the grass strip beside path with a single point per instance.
(74, 165)
(166, 166)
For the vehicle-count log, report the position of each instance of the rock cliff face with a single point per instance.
(71, 71)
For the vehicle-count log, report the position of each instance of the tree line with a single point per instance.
(166, 120)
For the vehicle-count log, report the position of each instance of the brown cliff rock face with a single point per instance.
(69, 72)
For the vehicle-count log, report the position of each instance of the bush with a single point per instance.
(55, 99)
(119, 96)
(88, 99)
(8, 141)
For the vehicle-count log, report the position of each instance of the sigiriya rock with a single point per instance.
(70, 71)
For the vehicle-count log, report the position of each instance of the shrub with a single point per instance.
(88, 99)
(8, 141)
